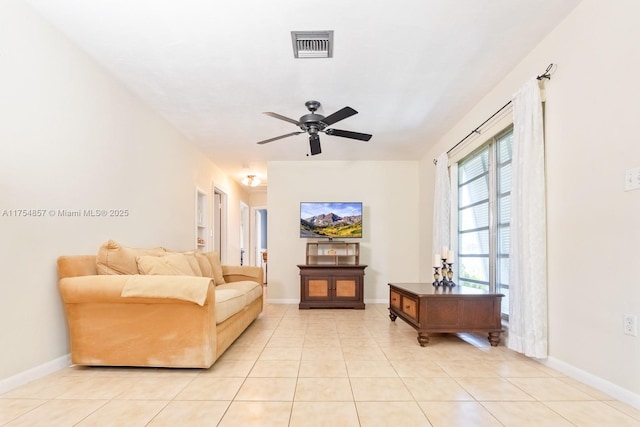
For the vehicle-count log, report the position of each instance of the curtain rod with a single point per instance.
(546, 75)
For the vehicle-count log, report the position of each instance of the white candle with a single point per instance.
(450, 256)
(437, 261)
(444, 251)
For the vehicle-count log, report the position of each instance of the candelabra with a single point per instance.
(447, 275)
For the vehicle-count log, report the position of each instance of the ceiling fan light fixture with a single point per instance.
(312, 44)
(251, 181)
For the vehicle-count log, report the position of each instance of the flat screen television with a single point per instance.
(334, 220)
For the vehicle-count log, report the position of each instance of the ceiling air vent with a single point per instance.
(312, 44)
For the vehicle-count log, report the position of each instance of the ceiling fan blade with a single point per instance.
(314, 143)
(279, 137)
(339, 115)
(281, 117)
(348, 134)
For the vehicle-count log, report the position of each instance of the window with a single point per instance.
(484, 210)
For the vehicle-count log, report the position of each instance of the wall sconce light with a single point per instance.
(251, 181)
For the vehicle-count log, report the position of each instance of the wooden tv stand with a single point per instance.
(331, 286)
(332, 276)
(440, 310)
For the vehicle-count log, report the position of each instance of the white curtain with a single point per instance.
(441, 205)
(528, 254)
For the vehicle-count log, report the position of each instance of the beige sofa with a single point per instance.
(153, 307)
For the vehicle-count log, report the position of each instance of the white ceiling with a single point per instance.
(411, 68)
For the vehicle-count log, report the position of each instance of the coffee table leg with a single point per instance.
(423, 339)
(494, 338)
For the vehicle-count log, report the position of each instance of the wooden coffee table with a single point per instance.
(441, 310)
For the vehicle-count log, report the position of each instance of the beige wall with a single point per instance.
(258, 197)
(390, 219)
(72, 138)
(591, 139)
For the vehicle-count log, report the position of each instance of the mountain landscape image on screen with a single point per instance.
(332, 222)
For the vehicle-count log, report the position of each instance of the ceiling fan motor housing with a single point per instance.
(310, 121)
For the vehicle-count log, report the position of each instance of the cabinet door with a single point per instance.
(317, 288)
(346, 288)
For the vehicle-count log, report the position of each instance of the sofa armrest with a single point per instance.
(76, 265)
(108, 289)
(237, 273)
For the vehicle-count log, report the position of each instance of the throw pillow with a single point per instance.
(114, 258)
(216, 267)
(190, 256)
(168, 265)
(205, 265)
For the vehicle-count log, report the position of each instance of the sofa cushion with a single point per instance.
(114, 258)
(191, 259)
(250, 290)
(228, 303)
(204, 264)
(175, 264)
(193, 263)
(216, 267)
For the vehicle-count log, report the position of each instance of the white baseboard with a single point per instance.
(283, 301)
(35, 373)
(377, 301)
(613, 390)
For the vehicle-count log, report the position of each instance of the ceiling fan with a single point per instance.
(313, 123)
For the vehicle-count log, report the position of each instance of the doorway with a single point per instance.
(259, 237)
(220, 222)
(244, 234)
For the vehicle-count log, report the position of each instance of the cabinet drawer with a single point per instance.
(410, 307)
(394, 299)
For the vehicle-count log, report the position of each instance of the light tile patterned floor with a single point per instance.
(335, 368)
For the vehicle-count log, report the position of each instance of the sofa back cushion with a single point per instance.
(114, 258)
(175, 264)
